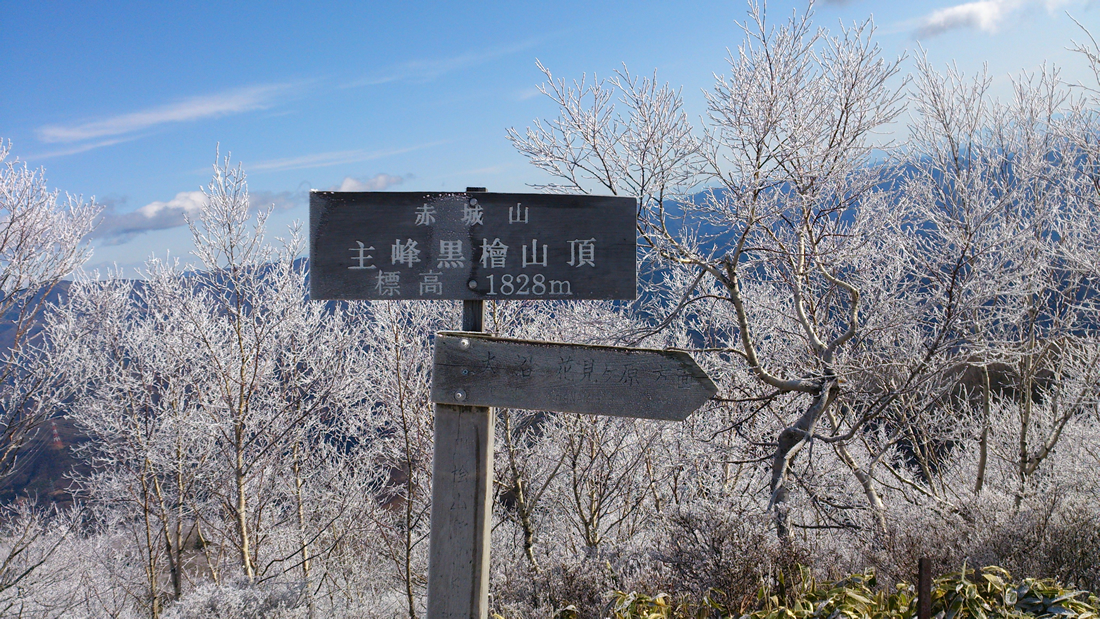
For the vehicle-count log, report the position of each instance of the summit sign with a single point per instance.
(478, 246)
(471, 246)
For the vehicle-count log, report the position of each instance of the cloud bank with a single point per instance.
(985, 15)
(117, 228)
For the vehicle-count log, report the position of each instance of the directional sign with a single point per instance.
(500, 246)
(473, 369)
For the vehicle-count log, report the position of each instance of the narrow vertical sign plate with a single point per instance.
(499, 246)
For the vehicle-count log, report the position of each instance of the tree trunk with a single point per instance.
(791, 440)
(519, 487)
(865, 481)
(302, 527)
(242, 517)
(151, 570)
(983, 442)
(1025, 426)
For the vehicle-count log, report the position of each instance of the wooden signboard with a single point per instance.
(471, 246)
(475, 246)
(472, 372)
(477, 370)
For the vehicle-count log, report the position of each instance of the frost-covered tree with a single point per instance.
(874, 312)
(223, 407)
(41, 242)
(399, 364)
(995, 194)
(783, 158)
(905, 341)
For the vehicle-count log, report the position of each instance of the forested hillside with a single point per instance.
(903, 333)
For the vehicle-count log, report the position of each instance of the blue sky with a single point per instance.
(127, 102)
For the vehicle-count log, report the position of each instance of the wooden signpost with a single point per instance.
(478, 370)
(474, 246)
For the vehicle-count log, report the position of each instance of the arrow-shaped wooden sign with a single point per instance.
(473, 369)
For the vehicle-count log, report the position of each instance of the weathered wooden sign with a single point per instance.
(477, 370)
(476, 245)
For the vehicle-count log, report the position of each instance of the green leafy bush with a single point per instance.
(661, 606)
(989, 593)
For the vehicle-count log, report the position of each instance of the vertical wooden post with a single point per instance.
(462, 492)
(458, 547)
(924, 588)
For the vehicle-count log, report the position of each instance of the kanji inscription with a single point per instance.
(471, 246)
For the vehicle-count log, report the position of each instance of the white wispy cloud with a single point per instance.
(81, 148)
(225, 103)
(985, 15)
(419, 71)
(527, 93)
(378, 182)
(331, 158)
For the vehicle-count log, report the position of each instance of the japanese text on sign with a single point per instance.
(470, 246)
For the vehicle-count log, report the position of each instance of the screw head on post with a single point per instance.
(460, 395)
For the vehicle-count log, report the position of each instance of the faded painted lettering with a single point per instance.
(582, 252)
(388, 283)
(404, 253)
(361, 257)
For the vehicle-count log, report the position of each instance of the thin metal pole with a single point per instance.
(473, 315)
(473, 312)
(462, 485)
